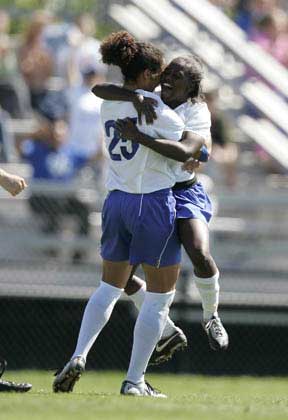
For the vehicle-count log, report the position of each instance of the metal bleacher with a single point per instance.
(249, 234)
(201, 28)
(27, 265)
(249, 238)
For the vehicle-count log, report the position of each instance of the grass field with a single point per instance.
(97, 397)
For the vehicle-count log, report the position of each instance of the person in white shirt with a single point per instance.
(85, 128)
(181, 90)
(85, 131)
(138, 219)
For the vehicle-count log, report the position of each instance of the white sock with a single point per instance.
(169, 328)
(138, 299)
(209, 292)
(97, 313)
(139, 296)
(147, 332)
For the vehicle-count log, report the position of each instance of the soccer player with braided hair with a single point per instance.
(181, 91)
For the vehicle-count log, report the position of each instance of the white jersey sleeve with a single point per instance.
(197, 119)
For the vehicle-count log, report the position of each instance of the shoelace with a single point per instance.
(217, 327)
(151, 389)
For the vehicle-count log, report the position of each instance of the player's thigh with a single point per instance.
(116, 273)
(161, 280)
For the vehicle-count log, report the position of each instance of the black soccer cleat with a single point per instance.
(167, 346)
(67, 377)
(217, 335)
(9, 386)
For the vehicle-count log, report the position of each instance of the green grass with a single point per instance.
(97, 397)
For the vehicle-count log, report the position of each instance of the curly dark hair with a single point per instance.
(133, 57)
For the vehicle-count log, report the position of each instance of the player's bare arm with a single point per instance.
(143, 105)
(189, 146)
(208, 144)
(14, 184)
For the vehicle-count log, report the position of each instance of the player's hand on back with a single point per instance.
(145, 107)
(14, 184)
(127, 129)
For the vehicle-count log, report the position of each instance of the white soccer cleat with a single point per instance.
(217, 335)
(69, 375)
(140, 390)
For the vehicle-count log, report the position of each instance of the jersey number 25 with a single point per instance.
(124, 153)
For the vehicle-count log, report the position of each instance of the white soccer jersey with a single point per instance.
(197, 119)
(134, 168)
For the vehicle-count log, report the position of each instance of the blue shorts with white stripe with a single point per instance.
(140, 228)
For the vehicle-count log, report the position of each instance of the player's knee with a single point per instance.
(201, 257)
(133, 285)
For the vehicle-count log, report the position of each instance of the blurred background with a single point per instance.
(50, 133)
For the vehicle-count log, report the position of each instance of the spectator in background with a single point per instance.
(54, 162)
(87, 49)
(248, 12)
(62, 39)
(85, 127)
(35, 60)
(8, 68)
(8, 62)
(271, 33)
(224, 151)
(72, 44)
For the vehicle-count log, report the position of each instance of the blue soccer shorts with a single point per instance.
(193, 203)
(140, 228)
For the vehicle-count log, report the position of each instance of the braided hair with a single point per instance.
(193, 68)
